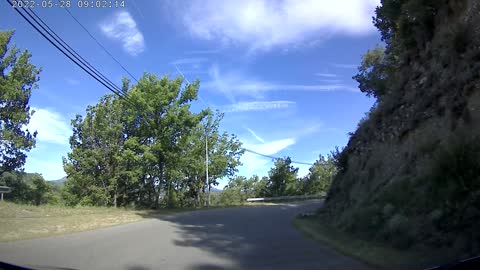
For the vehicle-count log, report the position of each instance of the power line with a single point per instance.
(247, 150)
(99, 44)
(70, 49)
(272, 157)
(88, 69)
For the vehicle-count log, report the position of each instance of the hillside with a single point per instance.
(410, 174)
(59, 181)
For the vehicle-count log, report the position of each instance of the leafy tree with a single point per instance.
(40, 190)
(238, 190)
(20, 190)
(373, 74)
(29, 188)
(151, 154)
(283, 178)
(260, 188)
(224, 152)
(320, 175)
(17, 79)
(93, 165)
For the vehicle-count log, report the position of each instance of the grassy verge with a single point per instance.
(372, 253)
(19, 222)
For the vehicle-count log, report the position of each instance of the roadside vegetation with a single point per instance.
(408, 178)
(144, 151)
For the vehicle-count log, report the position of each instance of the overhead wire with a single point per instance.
(100, 44)
(89, 69)
(275, 158)
(245, 149)
(84, 65)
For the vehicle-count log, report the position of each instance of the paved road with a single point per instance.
(239, 238)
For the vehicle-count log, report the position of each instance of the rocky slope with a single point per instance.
(411, 171)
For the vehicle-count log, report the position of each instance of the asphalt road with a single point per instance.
(238, 238)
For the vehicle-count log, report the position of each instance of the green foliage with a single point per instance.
(283, 178)
(151, 154)
(239, 189)
(28, 189)
(320, 176)
(373, 74)
(455, 173)
(17, 79)
(339, 159)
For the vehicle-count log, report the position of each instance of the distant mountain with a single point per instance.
(215, 190)
(59, 181)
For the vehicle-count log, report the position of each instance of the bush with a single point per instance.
(399, 231)
(455, 171)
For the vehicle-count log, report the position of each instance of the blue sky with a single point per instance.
(280, 70)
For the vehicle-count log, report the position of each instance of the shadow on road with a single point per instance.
(255, 238)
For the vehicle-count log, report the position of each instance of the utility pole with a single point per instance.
(206, 165)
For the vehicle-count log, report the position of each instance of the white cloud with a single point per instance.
(233, 84)
(203, 51)
(329, 81)
(50, 169)
(263, 24)
(255, 164)
(255, 135)
(348, 66)
(327, 75)
(193, 60)
(72, 81)
(122, 27)
(258, 106)
(51, 126)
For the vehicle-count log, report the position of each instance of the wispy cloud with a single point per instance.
(255, 135)
(264, 24)
(352, 66)
(233, 84)
(193, 60)
(255, 164)
(203, 51)
(329, 81)
(259, 106)
(123, 28)
(326, 75)
(50, 125)
(72, 81)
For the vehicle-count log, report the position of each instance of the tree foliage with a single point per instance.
(17, 79)
(28, 188)
(282, 178)
(150, 154)
(320, 175)
(372, 76)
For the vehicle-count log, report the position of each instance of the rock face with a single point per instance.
(411, 171)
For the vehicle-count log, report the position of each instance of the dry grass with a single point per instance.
(18, 222)
(26, 222)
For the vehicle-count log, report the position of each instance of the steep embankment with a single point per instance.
(411, 171)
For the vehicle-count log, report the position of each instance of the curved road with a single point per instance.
(237, 238)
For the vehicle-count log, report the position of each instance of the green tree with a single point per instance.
(93, 165)
(238, 190)
(17, 79)
(20, 190)
(320, 175)
(372, 76)
(283, 178)
(40, 190)
(224, 152)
